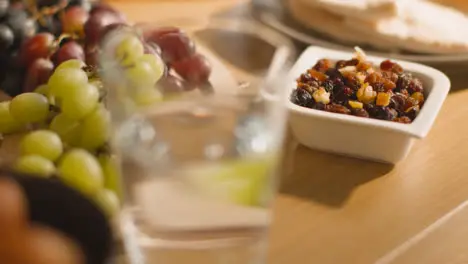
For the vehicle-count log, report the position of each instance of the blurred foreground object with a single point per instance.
(44, 222)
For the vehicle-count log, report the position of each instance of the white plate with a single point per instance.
(367, 138)
(275, 14)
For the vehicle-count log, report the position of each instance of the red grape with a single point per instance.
(6, 38)
(154, 34)
(95, 25)
(73, 20)
(152, 48)
(38, 73)
(101, 7)
(171, 84)
(36, 47)
(175, 47)
(68, 51)
(196, 69)
(92, 55)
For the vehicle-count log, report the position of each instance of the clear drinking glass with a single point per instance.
(199, 166)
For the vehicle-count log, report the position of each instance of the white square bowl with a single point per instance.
(366, 138)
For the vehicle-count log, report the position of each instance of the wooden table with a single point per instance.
(338, 210)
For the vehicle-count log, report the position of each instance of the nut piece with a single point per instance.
(321, 96)
(356, 104)
(366, 94)
(383, 99)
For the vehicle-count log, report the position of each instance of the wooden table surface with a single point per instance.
(338, 210)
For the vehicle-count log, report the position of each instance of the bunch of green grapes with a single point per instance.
(70, 129)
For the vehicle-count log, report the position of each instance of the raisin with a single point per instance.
(403, 81)
(360, 112)
(319, 76)
(403, 120)
(411, 102)
(415, 86)
(388, 85)
(385, 113)
(337, 108)
(375, 77)
(333, 73)
(390, 76)
(353, 82)
(364, 66)
(352, 62)
(322, 65)
(302, 97)
(340, 64)
(379, 87)
(412, 112)
(328, 85)
(319, 106)
(341, 94)
(398, 102)
(307, 87)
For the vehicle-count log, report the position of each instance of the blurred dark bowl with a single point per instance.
(55, 205)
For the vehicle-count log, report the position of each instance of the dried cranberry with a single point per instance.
(322, 65)
(359, 112)
(337, 108)
(302, 97)
(348, 91)
(388, 65)
(403, 120)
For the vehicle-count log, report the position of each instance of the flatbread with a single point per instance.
(331, 25)
(421, 26)
(363, 9)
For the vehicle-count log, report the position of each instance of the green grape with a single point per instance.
(69, 130)
(63, 82)
(42, 89)
(112, 174)
(108, 201)
(129, 50)
(141, 75)
(80, 102)
(7, 123)
(29, 108)
(95, 129)
(147, 96)
(71, 64)
(242, 182)
(79, 169)
(156, 64)
(44, 143)
(35, 165)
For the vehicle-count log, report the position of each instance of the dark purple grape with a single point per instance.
(111, 28)
(302, 97)
(195, 70)
(171, 84)
(152, 48)
(50, 24)
(36, 47)
(175, 47)
(154, 34)
(6, 38)
(20, 23)
(38, 73)
(68, 51)
(105, 8)
(92, 55)
(12, 84)
(93, 28)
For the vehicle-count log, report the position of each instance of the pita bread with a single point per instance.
(331, 25)
(420, 26)
(364, 9)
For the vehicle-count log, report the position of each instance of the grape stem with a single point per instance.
(39, 15)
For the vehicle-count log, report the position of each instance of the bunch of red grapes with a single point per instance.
(38, 35)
